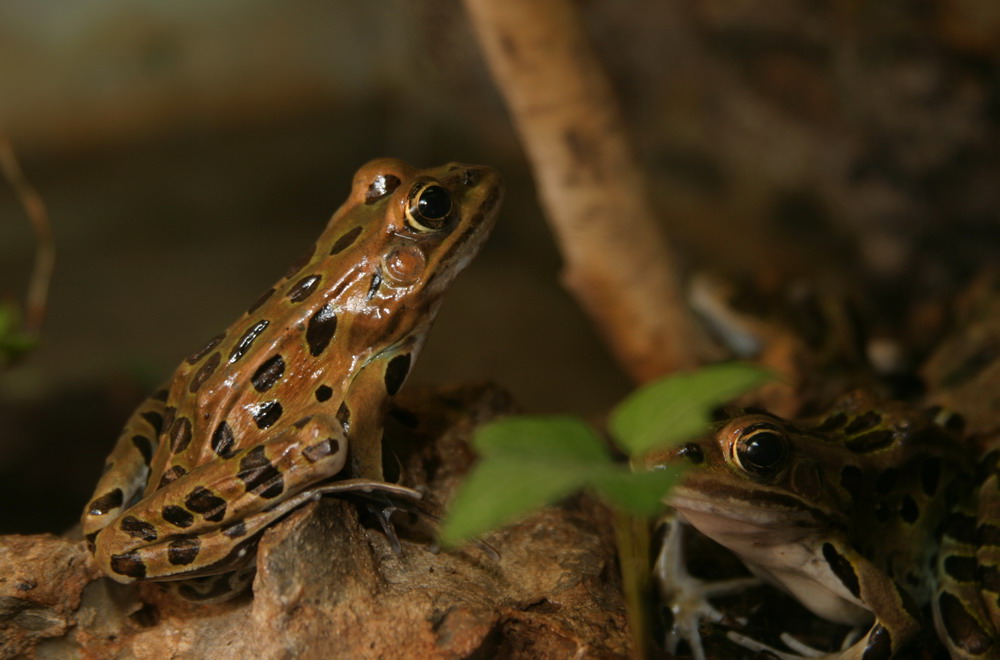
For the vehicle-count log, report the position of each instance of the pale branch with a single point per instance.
(617, 264)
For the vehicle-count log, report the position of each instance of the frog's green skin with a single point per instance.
(287, 403)
(865, 515)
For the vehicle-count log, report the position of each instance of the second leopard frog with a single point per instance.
(865, 515)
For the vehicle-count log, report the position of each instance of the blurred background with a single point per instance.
(188, 152)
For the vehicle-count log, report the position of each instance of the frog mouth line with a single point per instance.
(763, 509)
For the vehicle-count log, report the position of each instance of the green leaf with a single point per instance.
(638, 493)
(501, 489)
(549, 437)
(676, 408)
(528, 462)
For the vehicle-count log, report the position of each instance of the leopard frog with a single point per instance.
(288, 402)
(865, 515)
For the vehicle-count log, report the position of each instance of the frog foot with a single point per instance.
(688, 596)
(800, 650)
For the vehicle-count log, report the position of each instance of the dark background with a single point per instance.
(188, 153)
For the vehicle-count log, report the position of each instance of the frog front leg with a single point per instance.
(203, 522)
(364, 407)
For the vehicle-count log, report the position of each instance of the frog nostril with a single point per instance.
(471, 177)
(692, 452)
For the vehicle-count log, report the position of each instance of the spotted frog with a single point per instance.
(288, 402)
(865, 515)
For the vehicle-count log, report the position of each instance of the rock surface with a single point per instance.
(330, 586)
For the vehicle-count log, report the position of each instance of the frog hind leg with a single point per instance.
(204, 518)
(897, 617)
(127, 467)
(965, 603)
(220, 587)
(208, 520)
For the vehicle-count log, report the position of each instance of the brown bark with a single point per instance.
(327, 586)
(617, 263)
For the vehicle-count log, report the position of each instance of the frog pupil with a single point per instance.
(762, 451)
(434, 203)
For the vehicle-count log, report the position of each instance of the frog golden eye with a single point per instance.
(762, 449)
(427, 208)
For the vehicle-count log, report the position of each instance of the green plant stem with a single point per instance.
(632, 537)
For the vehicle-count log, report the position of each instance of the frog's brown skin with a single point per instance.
(846, 513)
(288, 402)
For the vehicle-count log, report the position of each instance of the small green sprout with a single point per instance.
(529, 461)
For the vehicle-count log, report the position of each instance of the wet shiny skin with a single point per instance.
(288, 402)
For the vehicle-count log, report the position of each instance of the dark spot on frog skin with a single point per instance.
(300, 263)
(168, 417)
(180, 434)
(159, 395)
(842, 569)
(961, 569)
(345, 241)
(223, 440)
(962, 528)
(832, 423)
(879, 646)
(209, 347)
(110, 500)
(259, 475)
(320, 329)
(130, 564)
(204, 372)
(260, 301)
(382, 185)
(266, 414)
(144, 447)
(177, 516)
(183, 550)
(268, 373)
(304, 288)
(323, 393)
(321, 449)
(396, 372)
(962, 628)
(234, 530)
(171, 475)
(208, 504)
(909, 512)
(930, 475)
(154, 419)
(137, 529)
(344, 416)
(247, 340)
(851, 479)
(869, 420)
